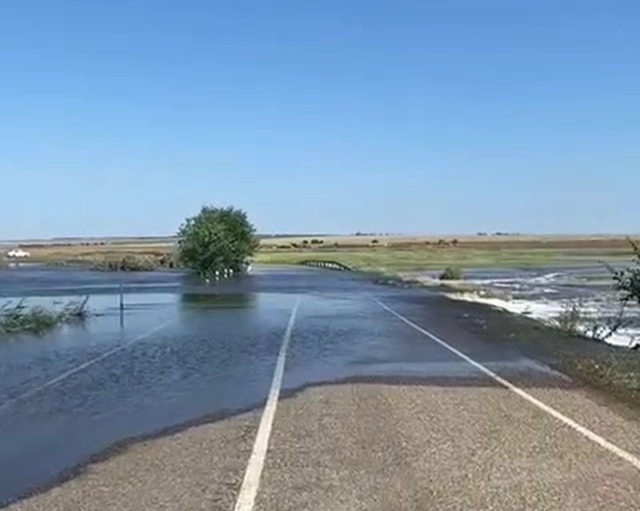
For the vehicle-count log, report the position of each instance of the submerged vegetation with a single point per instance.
(451, 273)
(21, 318)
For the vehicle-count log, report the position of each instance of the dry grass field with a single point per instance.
(410, 253)
(605, 241)
(381, 253)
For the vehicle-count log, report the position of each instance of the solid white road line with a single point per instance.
(251, 481)
(83, 366)
(517, 390)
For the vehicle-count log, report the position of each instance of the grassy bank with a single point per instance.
(390, 259)
(20, 318)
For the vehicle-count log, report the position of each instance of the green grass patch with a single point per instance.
(619, 372)
(438, 258)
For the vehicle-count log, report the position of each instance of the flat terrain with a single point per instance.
(391, 398)
(395, 253)
(379, 253)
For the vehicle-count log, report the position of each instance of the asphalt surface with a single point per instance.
(373, 412)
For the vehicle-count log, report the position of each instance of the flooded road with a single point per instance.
(183, 351)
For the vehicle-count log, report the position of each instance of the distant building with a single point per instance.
(18, 253)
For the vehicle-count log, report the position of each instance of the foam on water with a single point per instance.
(547, 310)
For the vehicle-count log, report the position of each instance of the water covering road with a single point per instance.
(183, 351)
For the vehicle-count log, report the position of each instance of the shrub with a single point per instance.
(129, 262)
(627, 280)
(451, 273)
(576, 319)
(570, 317)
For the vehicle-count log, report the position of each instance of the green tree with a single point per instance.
(627, 280)
(216, 239)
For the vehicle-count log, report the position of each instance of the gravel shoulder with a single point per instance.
(374, 446)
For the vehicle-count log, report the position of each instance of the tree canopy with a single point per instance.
(627, 280)
(216, 239)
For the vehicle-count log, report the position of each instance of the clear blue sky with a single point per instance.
(123, 117)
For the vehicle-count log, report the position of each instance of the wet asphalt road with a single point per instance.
(184, 351)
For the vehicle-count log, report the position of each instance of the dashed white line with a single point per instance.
(83, 366)
(627, 456)
(251, 481)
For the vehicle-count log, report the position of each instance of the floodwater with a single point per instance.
(182, 350)
(544, 293)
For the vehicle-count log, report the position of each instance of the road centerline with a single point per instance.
(84, 365)
(594, 437)
(251, 481)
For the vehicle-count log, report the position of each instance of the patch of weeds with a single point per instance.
(20, 318)
(132, 262)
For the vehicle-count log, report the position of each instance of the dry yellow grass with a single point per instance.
(468, 238)
(415, 251)
(94, 252)
(488, 241)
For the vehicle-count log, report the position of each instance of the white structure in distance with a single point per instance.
(18, 253)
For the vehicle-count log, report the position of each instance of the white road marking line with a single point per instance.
(83, 366)
(251, 481)
(517, 390)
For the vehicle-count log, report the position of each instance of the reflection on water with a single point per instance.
(217, 300)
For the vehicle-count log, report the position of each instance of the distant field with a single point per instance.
(488, 241)
(94, 252)
(412, 259)
(410, 253)
(384, 253)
